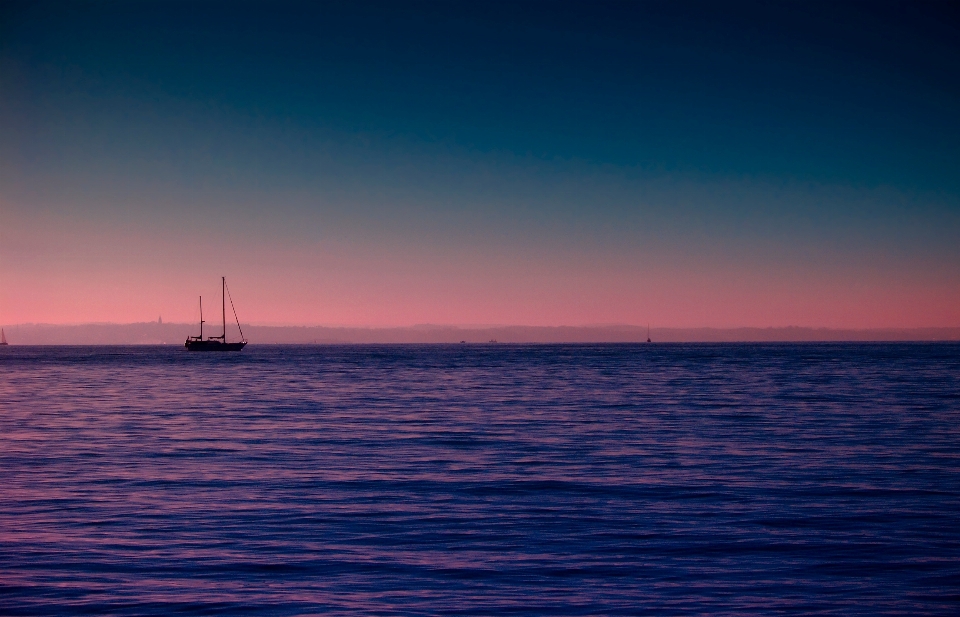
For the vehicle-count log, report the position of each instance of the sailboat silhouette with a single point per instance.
(217, 343)
(3, 338)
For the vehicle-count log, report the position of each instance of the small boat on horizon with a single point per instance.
(217, 343)
(3, 338)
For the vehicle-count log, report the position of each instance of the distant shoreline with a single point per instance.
(153, 333)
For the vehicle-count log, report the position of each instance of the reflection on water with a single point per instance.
(481, 479)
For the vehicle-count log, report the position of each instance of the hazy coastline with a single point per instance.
(153, 333)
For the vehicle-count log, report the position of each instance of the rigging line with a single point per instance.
(234, 311)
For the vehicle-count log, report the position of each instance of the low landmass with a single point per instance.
(154, 333)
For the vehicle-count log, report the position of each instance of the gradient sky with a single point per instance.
(390, 164)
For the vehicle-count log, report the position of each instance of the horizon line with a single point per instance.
(422, 326)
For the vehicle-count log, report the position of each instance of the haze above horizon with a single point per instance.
(384, 164)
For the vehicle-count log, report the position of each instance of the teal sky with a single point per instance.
(686, 164)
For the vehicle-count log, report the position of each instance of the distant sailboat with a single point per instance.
(648, 333)
(3, 338)
(217, 343)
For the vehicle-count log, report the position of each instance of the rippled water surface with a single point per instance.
(493, 479)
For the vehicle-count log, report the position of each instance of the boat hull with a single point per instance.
(213, 346)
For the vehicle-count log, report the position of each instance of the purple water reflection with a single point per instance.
(610, 479)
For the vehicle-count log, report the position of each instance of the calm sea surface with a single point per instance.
(481, 479)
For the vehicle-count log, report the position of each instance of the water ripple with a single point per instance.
(490, 479)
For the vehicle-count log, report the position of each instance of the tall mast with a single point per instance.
(223, 305)
(201, 318)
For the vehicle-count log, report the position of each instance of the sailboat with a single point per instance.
(648, 333)
(3, 338)
(217, 343)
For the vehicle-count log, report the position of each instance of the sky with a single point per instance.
(682, 164)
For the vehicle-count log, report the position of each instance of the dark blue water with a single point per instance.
(607, 479)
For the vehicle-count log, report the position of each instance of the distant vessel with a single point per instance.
(648, 333)
(3, 338)
(217, 343)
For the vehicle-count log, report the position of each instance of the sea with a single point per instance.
(495, 479)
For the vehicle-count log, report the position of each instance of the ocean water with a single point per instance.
(481, 479)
